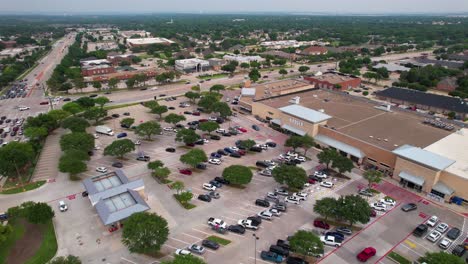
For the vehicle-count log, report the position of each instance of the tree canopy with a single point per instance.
(174, 118)
(119, 148)
(188, 136)
(75, 124)
(238, 174)
(184, 259)
(145, 233)
(294, 177)
(440, 258)
(306, 243)
(70, 259)
(38, 213)
(372, 176)
(209, 126)
(148, 129)
(14, 156)
(78, 140)
(194, 157)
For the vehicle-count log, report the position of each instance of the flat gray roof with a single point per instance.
(423, 157)
(121, 206)
(305, 113)
(340, 146)
(418, 180)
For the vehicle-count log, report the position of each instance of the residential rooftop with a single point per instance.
(278, 88)
(361, 119)
(333, 78)
(148, 41)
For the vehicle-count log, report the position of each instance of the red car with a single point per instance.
(366, 254)
(311, 181)
(44, 103)
(241, 129)
(202, 120)
(241, 152)
(196, 113)
(190, 144)
(185, 171)
(373, 213)
(321, 224)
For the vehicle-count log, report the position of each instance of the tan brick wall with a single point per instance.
(430, 176)
(459, 184)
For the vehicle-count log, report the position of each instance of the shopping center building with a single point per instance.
(396, 141)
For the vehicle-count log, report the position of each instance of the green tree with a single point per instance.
(151, 104)
(294, 177)
(127, 122)
(42, 120)
(303, 69)
(185, 259)
(209, 126)
(192, 96)
(159, 110)
(85, 102)
(195, 88)
(95, 113)
(78, 140)
(342, 164)
(14, 157)
(75, 124)
(372, 176)
(119, 148)
(194, 157)
(254, 75)
(113, 83)
(229, 68)
(283, 72)
(440, 258)
(294, 141)
(217, 87)
(38, 213)
(77, 154)
(326, 156)
(101, 101)
(178, 186)
(354, 209)
(248, 143)
(153, 165)
(188, 136)
(185, 197)
(79, 83)
(307, 143)
(306, 243)
(148, 129)
(238, 174)
(97, 85)
(5, 231)
(70, 259)
(69, 164)
(222, 108)
(130, 83)
(58, 114)
(161, 173)
(174, 118)
(145, 233)
(326, 207)
(245, 65)
(36, 133)
(72, 107)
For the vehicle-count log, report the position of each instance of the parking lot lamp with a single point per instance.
(255, 247)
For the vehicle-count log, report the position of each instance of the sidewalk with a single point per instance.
(47, 165)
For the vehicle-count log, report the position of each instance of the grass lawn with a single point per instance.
(27, 187)
(219, 240)
(186, 205)
(46, 250)
(214, 76)
(398, 258)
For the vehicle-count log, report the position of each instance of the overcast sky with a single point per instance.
(232, 6)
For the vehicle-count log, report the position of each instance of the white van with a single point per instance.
(6, 129)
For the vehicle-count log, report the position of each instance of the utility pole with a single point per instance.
(255, 247)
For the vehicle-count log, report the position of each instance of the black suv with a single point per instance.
(420, 230)
(261, 164)
(221, 180)
(296, 260)
(215, 137)
(204, 197)
(239, 229)
(261, 202)
(279, 250)
(459, 250)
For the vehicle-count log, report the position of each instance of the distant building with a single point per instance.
(118, 58)
(242, 58)
(330, 80)
(239, 47)
(96, 67)
(130, 33)
(8, 43)
(314, 50)
(192, 65)
(448, 84)
(142, 42)
(281, 54)
(391, 67)
(216, 63)
(442, 63)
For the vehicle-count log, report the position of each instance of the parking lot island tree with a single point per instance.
(307, 143)
(283, 72)
(37, 213)
(207, 102)
(72, 165)
(151, 104)
(294, 141)
(222, 109)
(159, 110)
(184, 197)
(326, 156)
(209, 126)
(440, 258)
(145, 233)
(177, 186)
(185, 259)
(247, 144)
(161, 173)
(78, 140)
(174, 118)
(152, 165)
(372, 176)
(95, 113)
(194, 157)
(292, 176)
(101, 101)
(75, 124)
(127, 122)
(354, 209)
(36, 133)
(192, 96)
(148, 129)
(217, 88)
(306, 243)
(342, 164)
(326, 207)
(58, 114)
(70, 259)
(238, 174)
(119, 148)
(254, 75)
(303, 69)
(72, 107)
(188, 136)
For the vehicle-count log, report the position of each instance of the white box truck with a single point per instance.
(104, 130)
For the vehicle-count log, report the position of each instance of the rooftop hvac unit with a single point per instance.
(321, 110)
(295, 100)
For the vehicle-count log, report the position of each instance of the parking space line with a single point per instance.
(239, 214)
(417, 253)
(192, 236)
(169, 246)
(419, 244)
(248, 210)
(259, 259)
(228, 218)
(181, 241)
(200, 231)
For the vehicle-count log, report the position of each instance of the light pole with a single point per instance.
(255, 247)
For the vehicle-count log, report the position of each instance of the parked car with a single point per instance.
(201, 166)
(409, 207)
(459, 250)
(292, 199)
(117, 164)
(379, 207)
(388, 201)
(335, 234)
(365, 192)
(445, 243)
(221, 180)
(432, 221)
(434, 236)
(216, 184)
(344, 230)
(321, 224)
(453, 233)
(326, 184)
(271, 256)
(210, 244)
(214, 194)
(101, 169)
(63, 206)
(209, 187)
(238, 229)
(143, 158)
(366, 254)
(281, 191)
(204, 197)
(196, 249)
(215, 137)
(442, 227)
(170, 150)
(283, 243)
(182, 252)
(121, 135)
(295, 260)
(235, 155)
(279, 250)
(420, 230)
(255, 127)
(271, 144)
(185, 171)
(266, 214)
(262, 203)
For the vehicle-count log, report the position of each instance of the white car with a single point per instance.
(300, 158)
(326, 184)
(221, 131)
(292, 199)
(272, 195)
(180, 251)
(274, 212)
(388, 201)
(442, 227)
(154, 88)
(270, 163)
(434, 236)
(265, 172)
(101, 169)
(234, 148)
(214, 161)
(432, 221)
(379, 207)
(169, 129)
(265, 214)
(96, 147)
(137, 142)
(320, 174)
(292, 154)
(212, 118)
(302, 196)
(306, 185)
(205, 140)
(23, 108)
(96, 136)
(445, 243)
(63, 206)
(209, 187)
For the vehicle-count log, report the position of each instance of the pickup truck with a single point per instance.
(331, 241)
(217, 222)
(248, 224)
